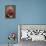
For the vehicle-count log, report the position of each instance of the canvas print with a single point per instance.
(33, 32)
(10, 11)
(29, 35)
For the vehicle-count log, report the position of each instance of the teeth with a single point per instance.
(10, 16)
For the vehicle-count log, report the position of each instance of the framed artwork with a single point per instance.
(32, 32)
(10, 11)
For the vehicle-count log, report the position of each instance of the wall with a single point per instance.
(27, 12)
